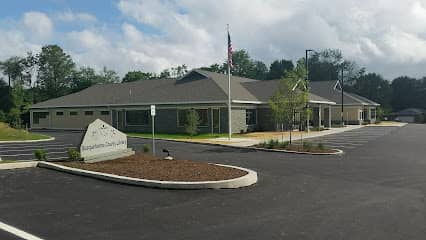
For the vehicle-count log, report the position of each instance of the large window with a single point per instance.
(373, 113)
(39, 115)
(88, 113)
(251, 117)
(59, 113)
(104, 112)
(137, 117)
(203, 114)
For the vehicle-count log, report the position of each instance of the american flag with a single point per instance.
(230, 51)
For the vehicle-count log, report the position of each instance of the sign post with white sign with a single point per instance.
(153, 128)
(103, 142)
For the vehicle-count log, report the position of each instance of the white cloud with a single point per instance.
(388, 36)
(70, 16)
(38, 24)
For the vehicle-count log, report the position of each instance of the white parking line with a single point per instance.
(27, 154)
(31, 149)
(18, 232)
(39, 145)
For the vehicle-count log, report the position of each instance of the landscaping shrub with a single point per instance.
(146, 148)
(321, 146)
(307, 145)
(73, 154)
(284, 144)
(41, 154)
(272, 143)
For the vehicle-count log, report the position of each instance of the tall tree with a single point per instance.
(137, 75)
(83, 78)
(108, 76)
(13, 68)
(327, 64)
(278, 68)
(215, 68)
(374, 87)
(259, 71)
(54, 72)
(408, 92)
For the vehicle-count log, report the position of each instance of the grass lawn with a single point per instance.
(182, 135)
(6, 161)
(10, 134)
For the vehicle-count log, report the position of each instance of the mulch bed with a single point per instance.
(149, 167)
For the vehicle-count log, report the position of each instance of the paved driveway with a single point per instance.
(353, 139)
(375, 193)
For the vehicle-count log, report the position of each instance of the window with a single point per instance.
(59, 113)
(39, 115)
(88, 113)
(137, 117)
(104, 112)
(203, 114)
(373, 113)
(73, 113)
(251, 117)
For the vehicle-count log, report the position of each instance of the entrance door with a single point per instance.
(216, 120)
(120, 120)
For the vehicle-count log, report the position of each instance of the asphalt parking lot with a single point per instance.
(377, 192)
(57, 149)
(353, 139)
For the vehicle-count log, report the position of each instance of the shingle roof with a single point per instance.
(263, 90)
(327, 90)
(198, 86)
(409, 112)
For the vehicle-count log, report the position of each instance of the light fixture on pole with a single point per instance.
(307, 82)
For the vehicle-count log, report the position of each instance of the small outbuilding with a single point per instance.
(409, 115)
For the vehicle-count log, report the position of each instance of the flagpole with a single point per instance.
(229, 93)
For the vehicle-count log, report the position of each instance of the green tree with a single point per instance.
(278, 68)
(259, 71)
(327, 64)
(290, 97)
(374, 87)
(137, 75)
(408, 92)
(192, 122)
(108, 76)
(6, 100)
(215, 68)
(13, 68)
(83, 78)
(55, 69)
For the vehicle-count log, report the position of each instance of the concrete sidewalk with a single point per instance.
(246, 141)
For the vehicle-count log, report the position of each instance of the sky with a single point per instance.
(385, 36)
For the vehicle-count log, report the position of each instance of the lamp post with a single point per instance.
(341, 88)
(307, 82)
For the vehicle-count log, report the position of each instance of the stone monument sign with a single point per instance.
(103, 142)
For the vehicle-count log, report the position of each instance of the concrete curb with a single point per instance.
(249, 179)
(15, 165)
(29, 141)
(246, 148)
(338, 151)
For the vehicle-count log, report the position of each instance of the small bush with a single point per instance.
(73, 154)
(272, 143)
(284, 144)
(321, 146)
(307, 145)
(146, 148)
(41, 154)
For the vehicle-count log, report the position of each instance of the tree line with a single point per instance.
(53, 73)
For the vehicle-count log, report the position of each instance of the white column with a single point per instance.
(329, 116)
(319, 116)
